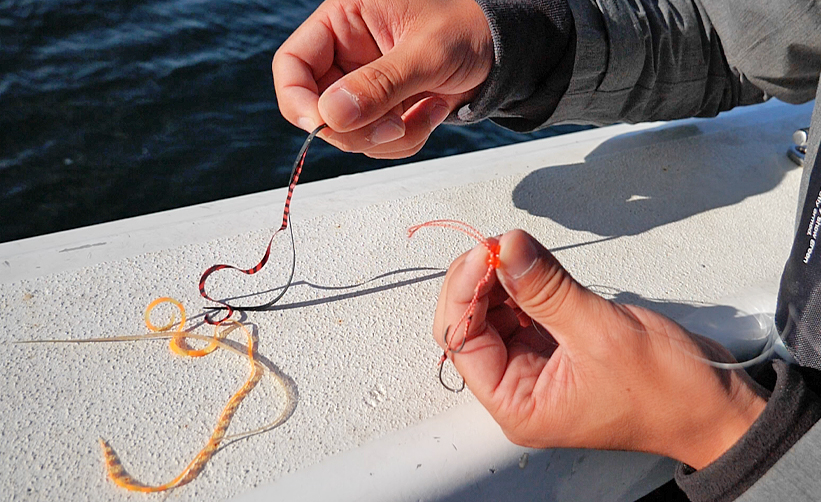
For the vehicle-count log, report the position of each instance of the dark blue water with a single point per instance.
(110, 109)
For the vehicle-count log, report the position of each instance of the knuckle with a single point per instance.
(276, 60)
(345, 142)
(552, 292)
(415, 138)
(391, 154)
(407, 146)
(380, 82)
(344, 146)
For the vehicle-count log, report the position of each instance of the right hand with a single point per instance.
(559, 366)
(382, 74)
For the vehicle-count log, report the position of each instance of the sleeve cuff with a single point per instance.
(792, 410)
(531, 40)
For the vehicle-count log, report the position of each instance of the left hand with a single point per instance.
(382, 74)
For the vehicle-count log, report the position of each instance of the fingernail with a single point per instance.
(387, 129)
(518, 258)
(305, 124)
(478, 253)
(343, 105)
(438, 115)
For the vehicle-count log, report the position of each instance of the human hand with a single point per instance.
(559, 366)
(382, 74)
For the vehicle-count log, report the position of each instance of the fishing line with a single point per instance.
(286, 219)
(467, 317)
(114, 468)
(493, 263)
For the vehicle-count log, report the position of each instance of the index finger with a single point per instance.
(299, 65)
(458, 291)
(482, 360)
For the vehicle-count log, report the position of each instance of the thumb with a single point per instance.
(372, 91)
(547, 293)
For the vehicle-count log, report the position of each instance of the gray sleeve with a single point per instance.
(795, 476)
(533, 43)
(793, 409)
(644, 60)
(775, 45)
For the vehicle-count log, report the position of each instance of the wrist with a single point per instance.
(709, 419)
(694, 412)
(792, 411)
(714, 439)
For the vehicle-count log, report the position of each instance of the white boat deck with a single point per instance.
(673, 216)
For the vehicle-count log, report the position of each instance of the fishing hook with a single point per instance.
(455, 390)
